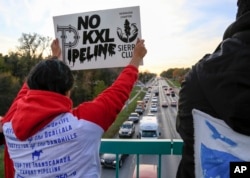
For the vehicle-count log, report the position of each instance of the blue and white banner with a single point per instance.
(216, 145)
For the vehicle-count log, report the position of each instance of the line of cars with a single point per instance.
(169, 92)
(149, 129)
(154, 104)
(154, 101)
(127, 130)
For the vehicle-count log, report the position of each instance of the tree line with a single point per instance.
(176, 74)
(32, 48)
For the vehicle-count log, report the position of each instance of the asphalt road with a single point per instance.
(166, 118)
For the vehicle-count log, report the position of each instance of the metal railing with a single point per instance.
(141, 147)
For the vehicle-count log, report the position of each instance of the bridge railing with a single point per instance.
(141, 147)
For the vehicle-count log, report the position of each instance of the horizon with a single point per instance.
(177, 33)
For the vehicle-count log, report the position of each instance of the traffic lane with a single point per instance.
(126, 171)
(169, 166)
(167, 116)
(169, 162)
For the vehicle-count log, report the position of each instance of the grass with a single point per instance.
(122, 116)
(173, 83)
(111, 132)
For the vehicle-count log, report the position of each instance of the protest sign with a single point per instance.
(98, 39)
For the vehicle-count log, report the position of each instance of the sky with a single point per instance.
(177, 33)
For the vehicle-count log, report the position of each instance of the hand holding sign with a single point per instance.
(138, 53)
(99, 39)
(56, 50)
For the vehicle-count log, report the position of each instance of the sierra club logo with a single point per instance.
(130, 32)
(96, 42)
(127, 35)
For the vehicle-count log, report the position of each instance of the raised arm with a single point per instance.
(55, 48)
(105, 107)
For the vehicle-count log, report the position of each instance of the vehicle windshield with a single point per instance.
(133, 115)
(126, 126)
(149, 133)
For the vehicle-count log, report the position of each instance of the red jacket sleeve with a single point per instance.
(105, 107)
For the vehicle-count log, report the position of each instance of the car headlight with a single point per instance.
(114, 162)
(102, 160)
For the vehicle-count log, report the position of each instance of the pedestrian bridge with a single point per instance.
(141, 147)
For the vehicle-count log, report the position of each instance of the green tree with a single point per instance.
(168, 73)
(33, 45)
(144, 77)
(8, 90)
(99, 87)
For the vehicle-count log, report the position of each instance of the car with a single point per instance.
(134, 116)
(146, 171)
(174, 103)
(146, 98)
(150, 114)
(109, 160)
(154, 99)
(172, 93)
(127, 129)
(139, 110)
(153, 108)
(156, 93)
(164, 104)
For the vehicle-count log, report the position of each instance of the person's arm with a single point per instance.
(138, 53)
(55, 48)
(105, 107)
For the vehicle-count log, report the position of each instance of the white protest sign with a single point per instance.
(98, 39)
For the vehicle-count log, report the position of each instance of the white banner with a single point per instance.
(98, 39)
(216, 145)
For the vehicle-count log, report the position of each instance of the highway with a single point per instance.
(167, 119)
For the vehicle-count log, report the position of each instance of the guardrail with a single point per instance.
(141, 147)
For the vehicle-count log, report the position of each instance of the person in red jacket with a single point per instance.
(46, 137)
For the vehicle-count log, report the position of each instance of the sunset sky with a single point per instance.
(177, 33)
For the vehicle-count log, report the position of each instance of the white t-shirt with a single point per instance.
(66, 147)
